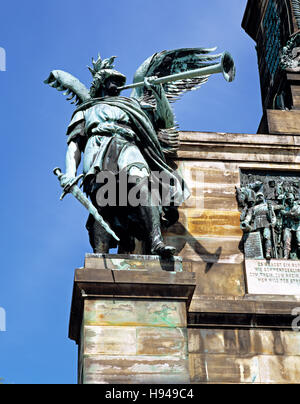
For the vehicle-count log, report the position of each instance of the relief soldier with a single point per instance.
(261, 217)
(291, 225)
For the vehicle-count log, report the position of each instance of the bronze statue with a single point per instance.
(125, 142)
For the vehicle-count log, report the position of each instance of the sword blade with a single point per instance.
(79, 195)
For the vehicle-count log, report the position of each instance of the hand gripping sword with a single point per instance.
(79, 195)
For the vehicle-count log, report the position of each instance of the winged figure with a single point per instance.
(133, 136)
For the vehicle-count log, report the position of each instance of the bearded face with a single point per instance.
(96, 89)
(106, 86)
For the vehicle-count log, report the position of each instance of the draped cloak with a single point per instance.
(144, 136)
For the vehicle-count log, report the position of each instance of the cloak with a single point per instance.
(146, 140)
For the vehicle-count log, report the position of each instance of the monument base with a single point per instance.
(129, 319)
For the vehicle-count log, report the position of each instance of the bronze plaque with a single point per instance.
(253, 248)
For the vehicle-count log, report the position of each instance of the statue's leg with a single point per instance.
(298, 241)
(100, 240)
(126, 245)
(268, 243)
(287, 242)
(154, 244)
(149, 218)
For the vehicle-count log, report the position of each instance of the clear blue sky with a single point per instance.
(42, 239)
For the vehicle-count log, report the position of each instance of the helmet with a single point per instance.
(290, 196)
(101, 71)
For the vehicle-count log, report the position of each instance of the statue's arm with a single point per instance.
(273, 217)
(76, 143)
(73, 158)
(163, 114)
(245, 224)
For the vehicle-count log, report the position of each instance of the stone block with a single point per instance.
(162, 341)
(222, 368)
(132, 262)
(98, 340)
(134, 313)
(291, 342)
(149, 369)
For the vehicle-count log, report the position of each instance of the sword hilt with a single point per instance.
(91, 208)
(57, 172)
(67, 188)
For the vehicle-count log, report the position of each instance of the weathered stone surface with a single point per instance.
(131, 263)
(134, 313)
(146, 286)
(244, 356)
(240, 342)
(147, 368)
(234, 147)
(147, 378)
(162, 341)
(128, 341)
(219, 279)
(283, 122)
(279, 369)
(109, 340)
(212, 249)
(256, 305)
(223, 369)
(233, 369)
(291, 342)
(214, 223)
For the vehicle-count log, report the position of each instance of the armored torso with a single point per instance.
(260, 217)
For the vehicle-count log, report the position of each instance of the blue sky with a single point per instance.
(42, 239)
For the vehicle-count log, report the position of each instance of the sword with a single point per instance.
(274, 242)
(79, 195)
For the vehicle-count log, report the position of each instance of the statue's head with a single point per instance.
(106, 80)
(251, 199)
(260, 198)
(290, 199)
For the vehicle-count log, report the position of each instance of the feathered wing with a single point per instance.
(73, 87)
(166, 63)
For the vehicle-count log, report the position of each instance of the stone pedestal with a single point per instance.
(129, 319)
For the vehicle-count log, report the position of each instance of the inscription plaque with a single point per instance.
(273, 277)
(252, 247)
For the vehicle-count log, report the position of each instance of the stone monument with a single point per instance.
(207, 291)
(123, 303)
